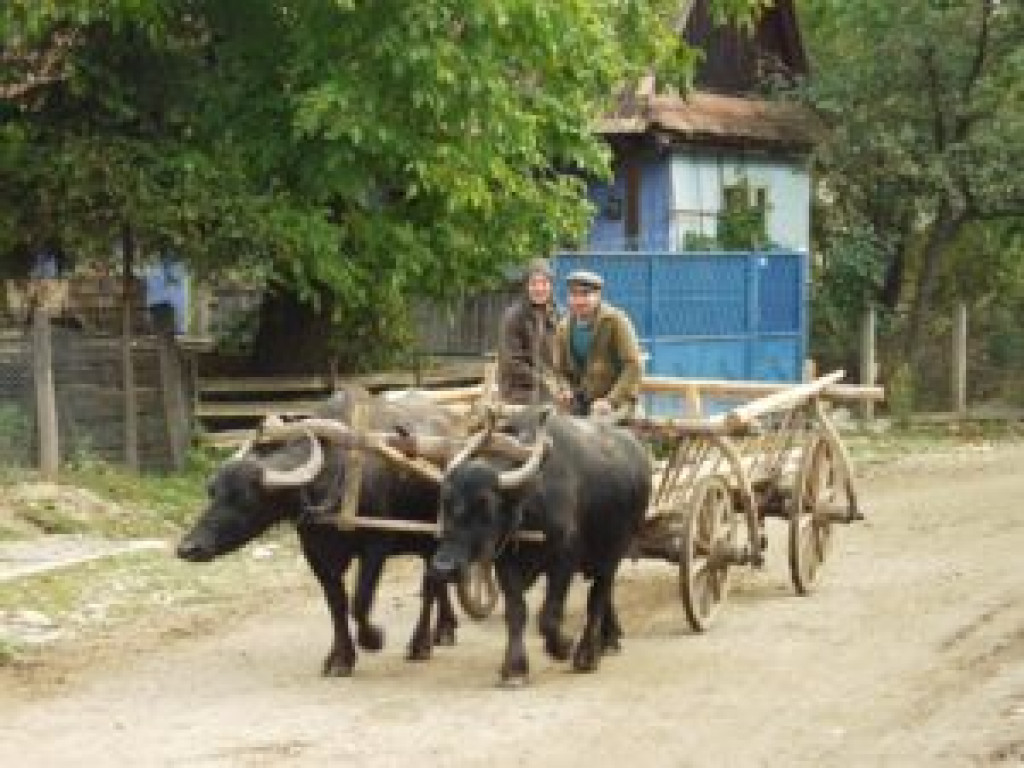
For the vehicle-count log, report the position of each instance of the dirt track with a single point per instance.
(910, 654)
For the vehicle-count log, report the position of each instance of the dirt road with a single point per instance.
(910, 654)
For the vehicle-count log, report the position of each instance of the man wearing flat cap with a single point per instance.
(597, 354)
(526, 372)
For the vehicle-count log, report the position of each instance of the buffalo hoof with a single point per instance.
(444, 634)
(558, 648)
(611, 645)
(514, 672)
(370, 638)
(336, 666)
(586, 658)
(418, 652)
(512, 683)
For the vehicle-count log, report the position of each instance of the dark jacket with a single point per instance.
(526, 353)
(613, 368)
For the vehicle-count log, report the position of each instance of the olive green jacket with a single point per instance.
(613, 368)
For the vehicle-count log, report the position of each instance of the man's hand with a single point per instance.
(563, 398)
(600, 407)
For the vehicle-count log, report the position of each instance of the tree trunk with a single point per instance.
(293, 337)
(947, 226)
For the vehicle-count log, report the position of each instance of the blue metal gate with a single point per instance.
(708, 315)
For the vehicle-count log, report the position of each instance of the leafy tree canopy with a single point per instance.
(926, 145)
(345, 144)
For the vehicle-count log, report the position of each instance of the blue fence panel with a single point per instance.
(708, 315)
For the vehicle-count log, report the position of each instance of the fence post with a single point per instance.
(868, 362)
(46, 398)
(172, 385)
(959, 388)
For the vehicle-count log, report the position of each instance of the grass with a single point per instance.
(868, 447)
(95, 597)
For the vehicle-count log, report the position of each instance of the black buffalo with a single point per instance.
(587, 493)
(301, 481)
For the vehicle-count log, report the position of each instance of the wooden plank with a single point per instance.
(231, 385)
(750, 389)
(257, 409)
(317, 383)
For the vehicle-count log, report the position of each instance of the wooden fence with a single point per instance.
(63, 395)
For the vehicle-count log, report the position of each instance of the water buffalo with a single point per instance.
(301, 480)
(586, 487)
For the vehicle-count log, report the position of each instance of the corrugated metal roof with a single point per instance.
(709, 116)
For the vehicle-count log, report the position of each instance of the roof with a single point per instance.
(714, 118)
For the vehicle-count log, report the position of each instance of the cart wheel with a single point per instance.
(819, 489)
(478, 591)
(706, 551)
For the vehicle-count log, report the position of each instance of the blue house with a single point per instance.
(703, 234)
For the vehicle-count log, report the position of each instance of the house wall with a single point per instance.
(608, 229)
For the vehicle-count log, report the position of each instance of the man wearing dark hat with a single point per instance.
(526, 344)
(597, 354)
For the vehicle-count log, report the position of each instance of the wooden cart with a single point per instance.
(775, 452)
(719, 477)
(776, 455)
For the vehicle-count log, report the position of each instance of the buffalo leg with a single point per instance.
(421, 645)
(370, 636)
(557, 644)
(516, 666)
(588, 651)
(611, 630)
(329, 570)
(444, 631)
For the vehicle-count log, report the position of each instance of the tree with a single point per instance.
(926, 128)
(349, 152)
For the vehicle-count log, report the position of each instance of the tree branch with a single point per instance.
(935, 96)
(964, 123)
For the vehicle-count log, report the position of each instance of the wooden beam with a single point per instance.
(746, 414)
(354, 461)
(750, 389)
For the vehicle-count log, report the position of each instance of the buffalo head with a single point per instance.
(246, 496)
(481, 507)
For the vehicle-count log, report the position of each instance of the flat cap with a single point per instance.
(585, 277)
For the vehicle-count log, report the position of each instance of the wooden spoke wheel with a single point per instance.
(819, 493)
(478, 590)
(707, 549)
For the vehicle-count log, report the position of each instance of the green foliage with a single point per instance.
(741, 225)
(15, 426)
(844, 284)
(370, 149)
(899, 394)
(922, 101)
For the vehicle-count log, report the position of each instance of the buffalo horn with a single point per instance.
(513, 478)
(472, 446)
(302, 474)
(242, 452)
